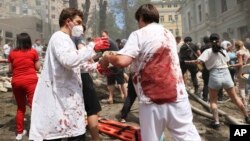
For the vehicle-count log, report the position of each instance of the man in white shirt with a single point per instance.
(58, 106)
(38, 46)
(7, 48)
(152, 53)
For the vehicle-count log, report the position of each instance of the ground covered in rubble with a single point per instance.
(111, 111)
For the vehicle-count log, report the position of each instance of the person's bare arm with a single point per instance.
(10, 67)
(37, 65)
(117, 60)
(193, 61)
(240, 61)
(120, 60)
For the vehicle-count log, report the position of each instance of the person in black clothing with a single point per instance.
(205, 72)
(130, 99)
(189, 51)
(116, 75)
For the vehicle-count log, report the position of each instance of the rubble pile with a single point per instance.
(5, 83)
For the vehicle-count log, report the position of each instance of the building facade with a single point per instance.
(42, 17)
(229, 18)
(170, 18)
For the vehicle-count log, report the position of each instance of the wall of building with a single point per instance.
(170, 18)
(46, 11)
(232, 21)
(21, 24)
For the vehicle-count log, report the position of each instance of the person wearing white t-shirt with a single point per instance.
(157, 77)
(215, 60)
(38, 47)
(7, 48)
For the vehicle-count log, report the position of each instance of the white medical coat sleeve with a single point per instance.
(67, 54)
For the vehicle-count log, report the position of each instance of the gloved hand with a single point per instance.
(104, 61)
(103, 71)
(101, 44)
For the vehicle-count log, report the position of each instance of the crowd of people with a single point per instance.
(157, 63)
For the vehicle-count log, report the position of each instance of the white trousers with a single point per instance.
(176, 117)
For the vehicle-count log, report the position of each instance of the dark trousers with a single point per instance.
(205, 77)
(193, 71)
(77, 138)
(129, 99)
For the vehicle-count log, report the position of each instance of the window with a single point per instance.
(170, 18)
(223, 6)
(38, 2)
(162, 6)
(25, 11)
(175, 5)
(177, 32)
(162, 19)
(169, 6)
(176, 17)
(13, 9)
(239, 1)
(1, 4)
(39, 27)
(8, 34)
(53, 16)
(199, 13)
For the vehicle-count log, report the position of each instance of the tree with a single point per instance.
(126, 9)
(86, 12)
(73, 4)
(102, 14)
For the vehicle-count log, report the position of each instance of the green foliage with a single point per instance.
(126, 9)
(121, 10)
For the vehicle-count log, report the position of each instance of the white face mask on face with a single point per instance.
(77, 31)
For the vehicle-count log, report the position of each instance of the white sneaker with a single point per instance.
(20, 136)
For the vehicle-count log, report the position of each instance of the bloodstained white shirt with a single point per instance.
(58, 106)
(157, 75)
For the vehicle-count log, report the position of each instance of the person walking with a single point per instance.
(216, 59)
(23, 63)
(189, 51)
(242, 59)
(116, 75)
(152, 52)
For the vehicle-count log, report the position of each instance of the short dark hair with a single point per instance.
(178, 38)
(214, 37)
(187, 39)
(206, 39)
(69, 13)
(23, 41)
(148, 13)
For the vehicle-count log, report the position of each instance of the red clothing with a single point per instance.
(24, 80)
(23, 64)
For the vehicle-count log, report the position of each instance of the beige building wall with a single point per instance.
(170, 18)
(226, 17)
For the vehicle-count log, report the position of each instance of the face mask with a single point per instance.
(77, 31)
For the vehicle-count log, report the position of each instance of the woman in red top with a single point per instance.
(23, 65)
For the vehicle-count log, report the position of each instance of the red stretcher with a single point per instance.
(119, 130)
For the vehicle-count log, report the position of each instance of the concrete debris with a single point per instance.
(5, 84)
